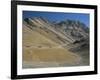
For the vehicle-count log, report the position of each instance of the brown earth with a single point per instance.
(39, 51)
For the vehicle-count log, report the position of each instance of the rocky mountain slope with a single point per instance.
(52, 44)
(69, 33)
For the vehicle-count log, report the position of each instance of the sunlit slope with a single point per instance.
(33, 38)
(40, 51)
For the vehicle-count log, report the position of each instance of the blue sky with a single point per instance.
(58, 16)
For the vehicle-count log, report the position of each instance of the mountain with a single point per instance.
(52, 44)
(69, 33)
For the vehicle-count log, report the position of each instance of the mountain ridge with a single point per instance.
(50, 44)
(68, 32)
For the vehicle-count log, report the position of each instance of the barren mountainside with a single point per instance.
(69, 33)
(52, 44)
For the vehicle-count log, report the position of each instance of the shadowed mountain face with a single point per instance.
(65, 43)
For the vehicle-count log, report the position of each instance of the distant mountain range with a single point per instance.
(70, 34)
